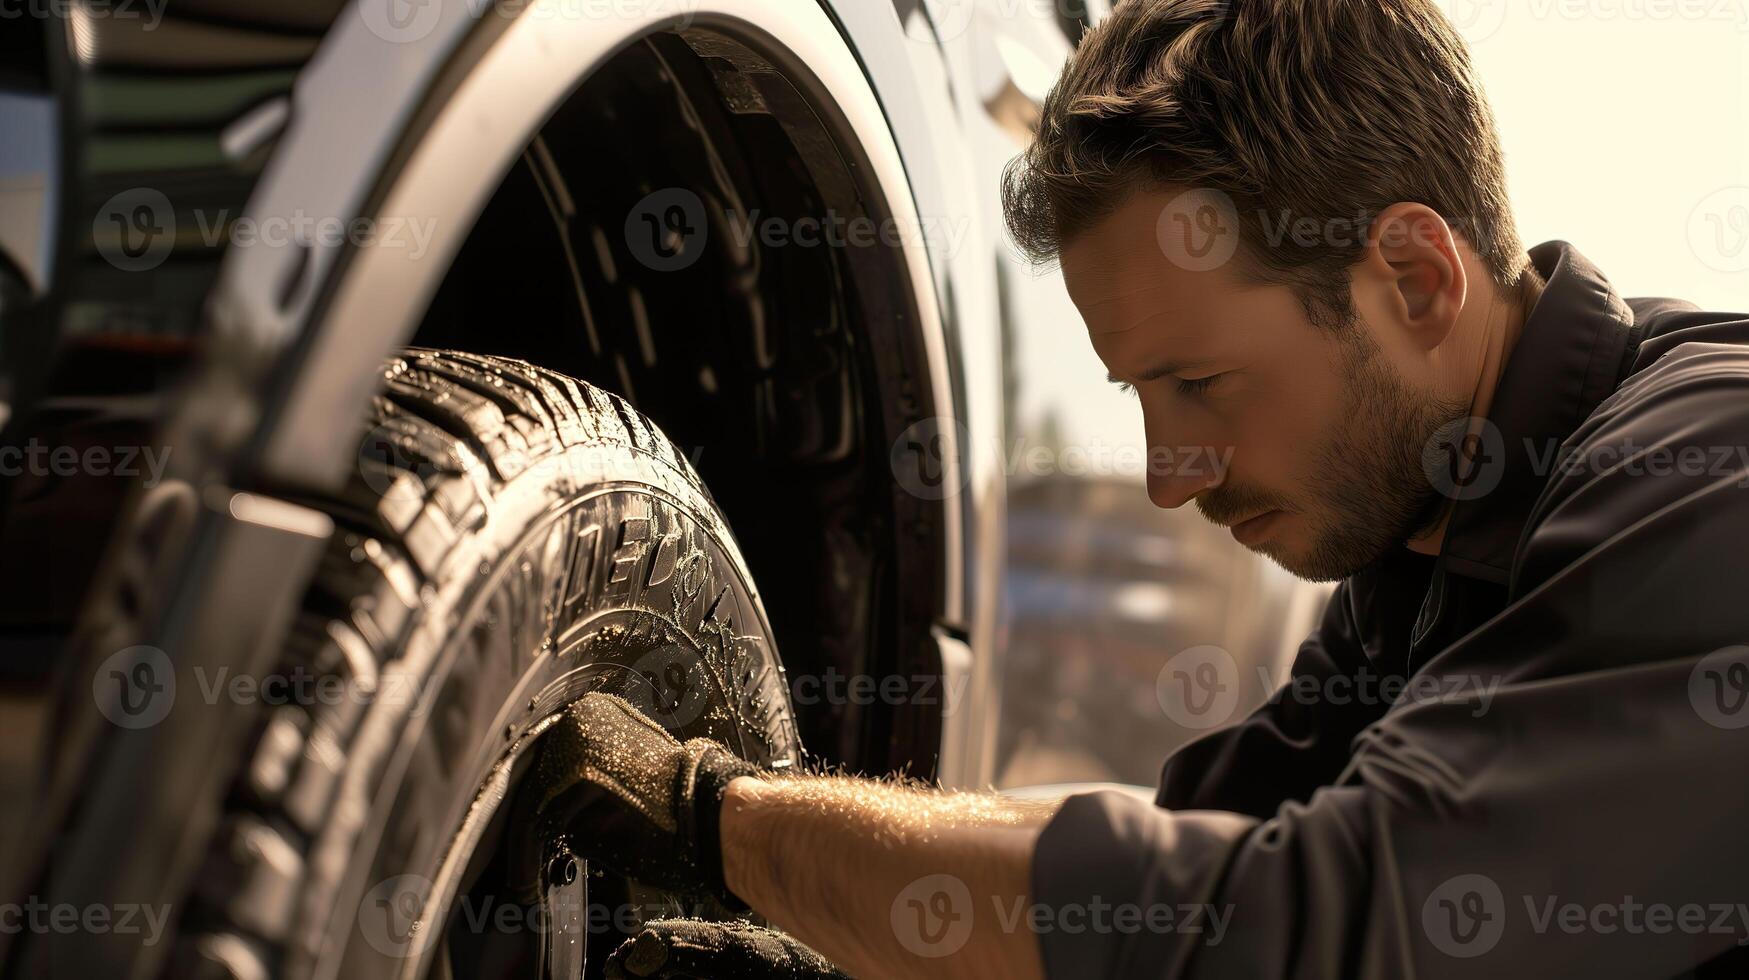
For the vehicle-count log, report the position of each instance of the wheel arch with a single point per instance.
(295, 332)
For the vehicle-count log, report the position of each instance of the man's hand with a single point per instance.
(675, 948)
(625, 794)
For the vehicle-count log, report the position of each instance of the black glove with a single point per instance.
(672, 948)
(623, 793)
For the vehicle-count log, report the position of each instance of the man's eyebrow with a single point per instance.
(1162, 370)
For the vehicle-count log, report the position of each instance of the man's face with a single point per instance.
(1323, 433)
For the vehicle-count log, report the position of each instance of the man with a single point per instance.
(1286, 227)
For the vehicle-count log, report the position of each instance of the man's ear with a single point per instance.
(1413, 254)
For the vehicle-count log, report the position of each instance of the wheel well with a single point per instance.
(782, 369)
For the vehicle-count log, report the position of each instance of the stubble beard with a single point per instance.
(1368, 491)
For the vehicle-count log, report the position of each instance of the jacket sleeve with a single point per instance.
(1559, 793)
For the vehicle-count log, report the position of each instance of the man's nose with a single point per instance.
(1177, 473)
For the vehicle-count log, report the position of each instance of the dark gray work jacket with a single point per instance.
(1562, 786)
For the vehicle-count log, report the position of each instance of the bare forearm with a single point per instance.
(887, 880)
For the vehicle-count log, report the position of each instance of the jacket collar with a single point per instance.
(1567, 360)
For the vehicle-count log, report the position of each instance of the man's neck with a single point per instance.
(1502, 324)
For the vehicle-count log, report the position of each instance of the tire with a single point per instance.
(512, 538)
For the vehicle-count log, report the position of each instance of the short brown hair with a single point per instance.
(1327, 109)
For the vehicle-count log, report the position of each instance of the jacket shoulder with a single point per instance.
(1673, 431)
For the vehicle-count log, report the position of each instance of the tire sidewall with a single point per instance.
(599, 568)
